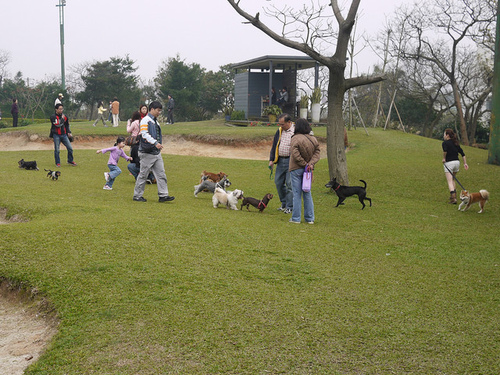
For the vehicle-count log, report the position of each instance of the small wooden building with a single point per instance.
(255, 79)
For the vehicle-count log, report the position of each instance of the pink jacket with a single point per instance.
(133, 128)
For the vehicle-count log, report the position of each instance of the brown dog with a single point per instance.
(260, 205)
(469, 198)
(215, 177)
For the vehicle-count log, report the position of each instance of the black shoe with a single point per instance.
(140, 199)
(168, 198)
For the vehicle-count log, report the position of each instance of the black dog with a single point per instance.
(346, 191)
(28, 165)
(53, 174)
(260, 205)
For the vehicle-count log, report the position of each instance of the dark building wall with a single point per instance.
(250, 87)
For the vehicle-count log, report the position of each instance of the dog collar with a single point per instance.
(261, 203)
(337, 188)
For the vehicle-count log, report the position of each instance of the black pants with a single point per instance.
(14, 120)
(170, 116)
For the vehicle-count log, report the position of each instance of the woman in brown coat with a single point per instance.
(304, 153)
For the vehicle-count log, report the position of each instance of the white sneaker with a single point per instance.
(287, 211)
(106, 176)
(106, 187)
(310, 222)
(295, 222)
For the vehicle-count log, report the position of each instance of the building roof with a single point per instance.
(279, 62)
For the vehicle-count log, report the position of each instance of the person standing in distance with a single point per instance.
(280, 155)
(59, 99)
(115, 110)
(170, 109)
(14, 111)
(150, 156)
(60, 132)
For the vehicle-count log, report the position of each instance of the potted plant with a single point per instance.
(228, 111)
(315, 104)
(304, 104)
(272, 111)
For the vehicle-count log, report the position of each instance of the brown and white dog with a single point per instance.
(470, 198)
(215, 177)
(260, 205)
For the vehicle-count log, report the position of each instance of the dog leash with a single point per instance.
(462, 186)
(271, 175)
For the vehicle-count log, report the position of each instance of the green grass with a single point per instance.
(409, 285)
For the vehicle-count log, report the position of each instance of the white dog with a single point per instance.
(228, 199)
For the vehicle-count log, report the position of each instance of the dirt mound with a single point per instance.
(187, 145)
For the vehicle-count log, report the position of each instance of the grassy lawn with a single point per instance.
(409, 285)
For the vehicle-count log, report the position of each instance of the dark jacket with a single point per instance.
(273, 156)
(452, 150)
(14, 110)
(60, 125)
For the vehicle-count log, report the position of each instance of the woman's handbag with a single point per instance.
(307, 179)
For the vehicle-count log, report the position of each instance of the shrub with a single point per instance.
(238, 115)
(24, 122)
(3, 124)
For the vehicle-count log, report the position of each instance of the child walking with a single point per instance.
(114, 155)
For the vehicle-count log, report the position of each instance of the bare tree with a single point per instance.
(4, 61)
(310, 31)
(435, 32)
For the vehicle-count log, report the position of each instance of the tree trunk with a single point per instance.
(337, 162)
(460, 114)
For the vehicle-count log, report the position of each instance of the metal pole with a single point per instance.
(62, 4)
(494, 149)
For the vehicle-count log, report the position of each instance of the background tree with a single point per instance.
(198, 94)
(185, 83)
(436, 32)
(310, 31)
(104, 80)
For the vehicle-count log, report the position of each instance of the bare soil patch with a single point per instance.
(207, 146)
(26, 326)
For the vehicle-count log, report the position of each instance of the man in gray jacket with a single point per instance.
(150, 156)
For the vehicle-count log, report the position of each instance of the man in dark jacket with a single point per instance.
(60, 132)
(150, 156)
(14, 111)
(170, 110)
(280, 155)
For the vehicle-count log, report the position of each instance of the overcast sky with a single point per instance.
(207, 32)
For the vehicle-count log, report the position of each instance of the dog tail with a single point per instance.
(47, 170)
(363, 181)
(484, 194)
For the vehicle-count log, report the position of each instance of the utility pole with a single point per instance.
(62, 4)
(494, 149)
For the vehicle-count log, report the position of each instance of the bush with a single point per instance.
(238, 115)
(3, 124)
(24, 122)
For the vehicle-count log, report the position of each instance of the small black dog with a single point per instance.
(346, 191)
(53, 174)
(28, 165)
(260, 205)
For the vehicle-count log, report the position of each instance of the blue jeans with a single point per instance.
(283, 183)
(298, 194)
(134, 169)
(57, 144)
(114, 172)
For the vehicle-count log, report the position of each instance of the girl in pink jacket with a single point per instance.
(114, 155)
